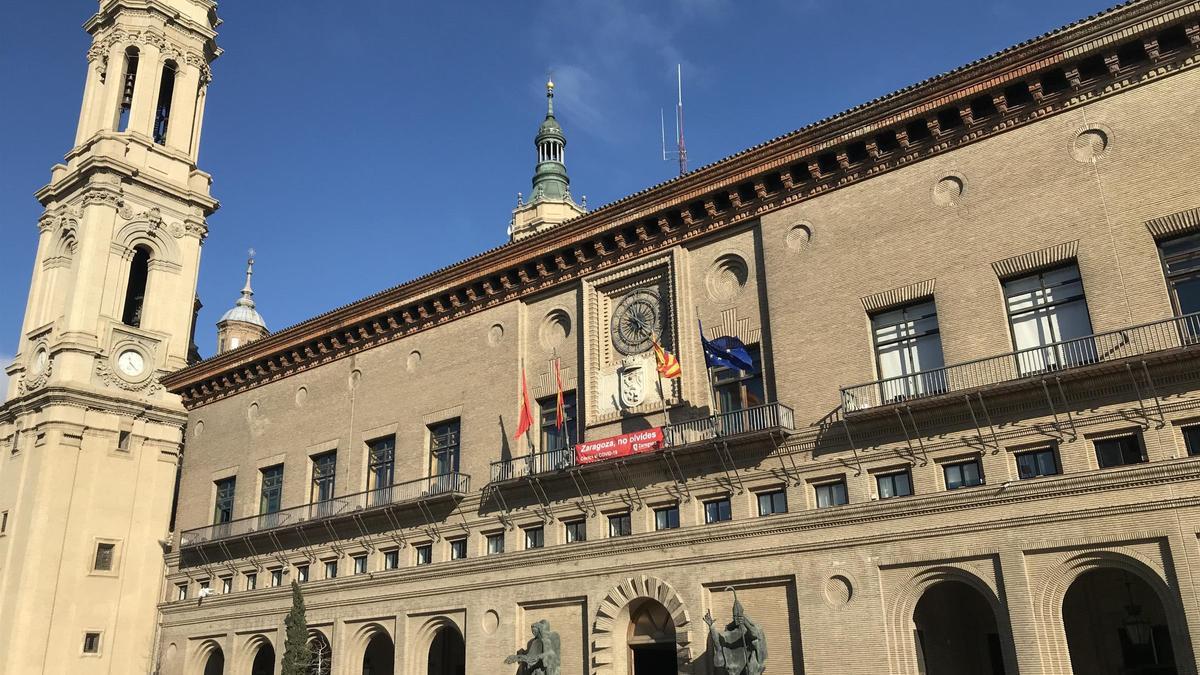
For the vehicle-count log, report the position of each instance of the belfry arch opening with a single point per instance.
(166, 93)
(1116, 624)
(128, 80)
(135, 289)
(651, 638)
(956, 632)
(447, 653)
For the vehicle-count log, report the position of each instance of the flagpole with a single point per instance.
(712, 387)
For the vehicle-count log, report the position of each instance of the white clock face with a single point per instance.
(40, 361)
(131, 363)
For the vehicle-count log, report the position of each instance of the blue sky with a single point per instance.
(360, 143)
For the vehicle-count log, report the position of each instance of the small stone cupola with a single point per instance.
(242, 323)
(550, 202)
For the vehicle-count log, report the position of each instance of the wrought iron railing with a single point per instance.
(400, 493)
(759, 418)
(1147, 338)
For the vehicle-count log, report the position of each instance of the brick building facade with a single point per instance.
(969, 443)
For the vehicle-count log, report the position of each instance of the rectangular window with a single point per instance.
(443, 447)
(104, 557)
(424, 554)
(226, 585)
(16, 442)
(181, 591)
(123, 441)
(3, 522)
(535, 537)
(381, 469)
(1118, 451)
(391, 559)
(908, 351)
(91, 643)
(495, 543)
(1191, 438)
(251, 581)
(620, 525)
(718, 511)
(666, 518)
(458, 549)
(895, 484)
(576, 531)
(324, 468)
(557, 438)
(963, 474)
(223, 510)
(301, 573)
(331, 569)
(360, 564)
(204, 585)
(738, 389)
(276, 577)
(831, 494)
(1034, 463)
(271, 498)
(1048, 315)
(772, 502)
(1181, 266)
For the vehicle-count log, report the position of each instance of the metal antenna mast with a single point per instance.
(680, 149)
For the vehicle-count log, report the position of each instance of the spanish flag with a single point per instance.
(668, 365)
(559, 403)
(524, 417)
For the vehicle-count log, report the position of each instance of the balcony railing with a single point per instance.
(1173, 333)
(768, 417)
(449, 484)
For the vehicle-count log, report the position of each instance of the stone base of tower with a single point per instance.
(542, 215)
(84, 471)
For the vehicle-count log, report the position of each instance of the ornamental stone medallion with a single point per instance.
(632, 389)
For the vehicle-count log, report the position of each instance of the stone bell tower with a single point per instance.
(89, 438)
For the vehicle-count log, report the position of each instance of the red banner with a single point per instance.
(624, 445)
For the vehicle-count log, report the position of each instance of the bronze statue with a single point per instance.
(740, 649)
(541, 655)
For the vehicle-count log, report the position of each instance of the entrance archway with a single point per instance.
(447, 653)
(956, 632)
(215, 664)
(1116, 625)
(380, 655)
(264, 660)
(651, 638)
(320, 655)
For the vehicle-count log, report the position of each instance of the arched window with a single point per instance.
(135, 291)
(127, 83)
(162, 111)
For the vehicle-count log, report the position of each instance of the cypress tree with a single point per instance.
(295, 647)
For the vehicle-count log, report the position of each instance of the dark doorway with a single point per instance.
(654, 659)
(447, 653)
(1116, 625)
(264, 661)
(216, 663)
(380, 657)
(956, 632)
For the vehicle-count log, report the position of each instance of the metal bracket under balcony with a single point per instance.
(382, 504)
(1164, 340)
(771, 419)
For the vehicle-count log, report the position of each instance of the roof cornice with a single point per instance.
(823, 156)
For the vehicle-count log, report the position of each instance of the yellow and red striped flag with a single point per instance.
(524, 416)
(559, 404)
(668, 365)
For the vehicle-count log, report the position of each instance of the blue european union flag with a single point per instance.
(726, 351)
